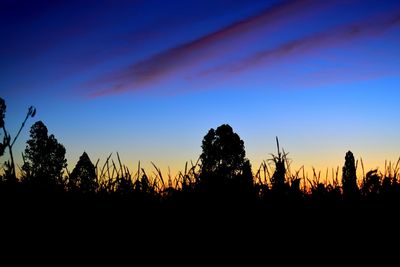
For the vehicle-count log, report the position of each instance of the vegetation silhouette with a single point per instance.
(83, 177)
(349, 177)
(221, 182)
(9, 166)
(44, 158)
(224, 168)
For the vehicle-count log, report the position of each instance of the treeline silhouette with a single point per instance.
(222, 174)
(216, 198)
(220, 184)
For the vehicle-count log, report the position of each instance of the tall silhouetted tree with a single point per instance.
(223, 158)
(44, 157)
(83, 176)
(349, 177)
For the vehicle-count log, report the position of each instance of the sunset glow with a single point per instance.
(149, 78)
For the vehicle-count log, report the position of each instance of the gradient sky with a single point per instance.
(149, 78)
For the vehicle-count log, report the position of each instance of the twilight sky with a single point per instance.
(149, 78)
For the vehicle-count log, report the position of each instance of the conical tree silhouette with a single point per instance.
(83, 176)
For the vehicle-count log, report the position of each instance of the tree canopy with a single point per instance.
(223, 161)
(44, 158)
(223, 151)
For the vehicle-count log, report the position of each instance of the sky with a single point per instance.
(149, 78)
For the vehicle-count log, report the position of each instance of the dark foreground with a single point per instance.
(69, 227)
(63, 213)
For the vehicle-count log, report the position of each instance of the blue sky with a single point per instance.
(150, 78)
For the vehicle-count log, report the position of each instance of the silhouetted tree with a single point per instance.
(349, 177)
(223, 159)
(83, 176)
(44, 158)
(223, 150)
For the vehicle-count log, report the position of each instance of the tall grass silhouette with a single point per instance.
(221, 174)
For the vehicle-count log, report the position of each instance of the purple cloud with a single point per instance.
(229, 40)
(365, 29)
(156, 67)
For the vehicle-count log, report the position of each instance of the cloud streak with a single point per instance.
(227, 41)
(193, 52)
(331, 38)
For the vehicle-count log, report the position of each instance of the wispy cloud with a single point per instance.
(365, 29)
(158, 66)
(229, 40)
